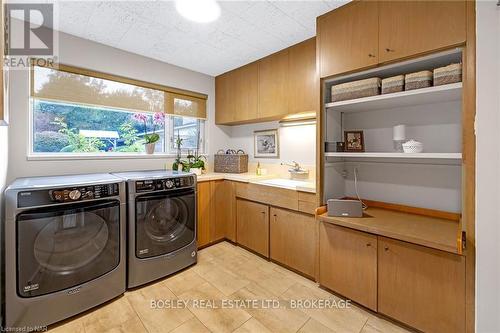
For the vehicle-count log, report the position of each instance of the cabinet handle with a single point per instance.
(371, 55)
(368, 244)
(389, 50)
(386, 248)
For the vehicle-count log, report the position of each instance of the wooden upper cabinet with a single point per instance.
(412, 27)
(348, 38)
(236, 95)
(303, 80)
(421, 287)
(348, 263)
(224, 99)
(273, 86)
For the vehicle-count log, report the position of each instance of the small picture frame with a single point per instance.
(266, 144)
(354, 141)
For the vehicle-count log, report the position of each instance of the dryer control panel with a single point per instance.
(151, 185)
(68, 194)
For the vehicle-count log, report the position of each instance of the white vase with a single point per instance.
(150, 148)
(196, 171)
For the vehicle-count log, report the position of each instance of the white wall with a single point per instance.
(488, 168)
(297, 143)
(86, 54)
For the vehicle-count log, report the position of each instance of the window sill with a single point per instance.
(103, 156)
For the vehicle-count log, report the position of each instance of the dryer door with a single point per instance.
(65, 246)
(165, 222)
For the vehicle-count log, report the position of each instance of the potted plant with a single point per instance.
(178, 165)
(196, 163)
(152, 138)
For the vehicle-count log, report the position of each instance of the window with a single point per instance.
(74, 113)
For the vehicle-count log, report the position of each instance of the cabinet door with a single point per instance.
(348, 38)
(246, 93)
(348, 263)
(223, 206)
(411, 27)
(421, 287)
(225, 101)
(273, 86)
(204, 213)
(293, 239)
(303, 79)
(253, 226)
(236, 95)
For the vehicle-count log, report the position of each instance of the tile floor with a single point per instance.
(230, 273)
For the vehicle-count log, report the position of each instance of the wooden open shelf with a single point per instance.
(431, 95)
(438, 233)
(439, 156)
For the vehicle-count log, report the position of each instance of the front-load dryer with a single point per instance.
(64, 247)
(161, 224)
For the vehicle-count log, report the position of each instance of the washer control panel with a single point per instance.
(68, 194)
(151, 185)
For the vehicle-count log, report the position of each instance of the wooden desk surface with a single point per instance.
(432, 232)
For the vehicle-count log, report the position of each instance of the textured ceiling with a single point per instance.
(245, 31)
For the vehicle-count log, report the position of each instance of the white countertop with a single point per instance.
(267, 180)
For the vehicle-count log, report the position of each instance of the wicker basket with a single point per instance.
(231, 163)
(448, 74)
(356, 89)
(418, 80)
(393, 84)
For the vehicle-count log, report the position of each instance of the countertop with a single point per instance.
(428, 231)
(307, 186)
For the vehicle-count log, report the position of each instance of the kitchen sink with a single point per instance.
(287, 183)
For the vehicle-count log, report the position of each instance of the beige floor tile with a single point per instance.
(338, 319)
(224, 280)
(184, 281)
(117, 316)
(162, 319)
(379, 325)
(216, 319)
(73, 325)
(314, 326)
(193, 325)
(252, 326)
(275, 319)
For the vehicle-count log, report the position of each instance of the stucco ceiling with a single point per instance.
(245, 31)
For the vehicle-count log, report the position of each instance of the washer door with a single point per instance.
(165, 222)
(64, 246)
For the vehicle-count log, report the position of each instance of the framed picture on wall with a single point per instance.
(266, 144)
(354, 141)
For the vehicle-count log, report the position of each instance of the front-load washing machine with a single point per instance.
(161, 224)
(64, 247)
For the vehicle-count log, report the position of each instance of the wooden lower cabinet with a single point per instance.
(224, 225)
(293, 239)
(348, 263)
(252, 225)
(421, 287)
(204, 205)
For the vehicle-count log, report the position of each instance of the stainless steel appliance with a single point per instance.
(161, 224)
(64, 245)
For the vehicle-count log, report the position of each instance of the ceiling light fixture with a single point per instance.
(201, 11)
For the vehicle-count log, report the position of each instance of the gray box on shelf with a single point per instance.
(231, 163)
(448, 74)
(345, 208)
(356, 89)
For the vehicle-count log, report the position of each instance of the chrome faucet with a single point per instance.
(295, 168)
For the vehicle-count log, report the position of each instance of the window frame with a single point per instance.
(168, 152)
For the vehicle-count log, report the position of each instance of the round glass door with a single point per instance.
(64, 246)
(165, 222)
